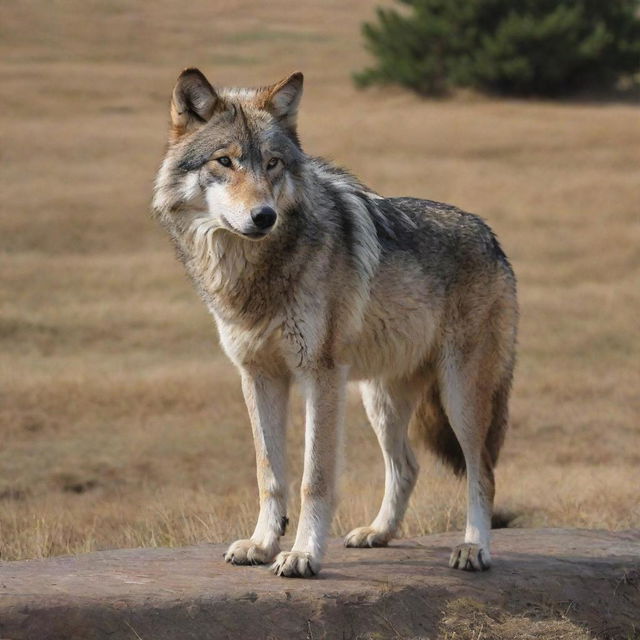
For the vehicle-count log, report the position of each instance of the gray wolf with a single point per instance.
(314, 278)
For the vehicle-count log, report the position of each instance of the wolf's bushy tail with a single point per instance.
(499, 419)
(431, 426)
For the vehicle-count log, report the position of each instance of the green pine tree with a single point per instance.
(518, 47)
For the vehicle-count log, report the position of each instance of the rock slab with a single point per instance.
(592, 577)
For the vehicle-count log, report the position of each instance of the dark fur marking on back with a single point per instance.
(343, 218)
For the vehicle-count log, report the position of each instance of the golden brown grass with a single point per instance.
(122, 422)
(466, 619)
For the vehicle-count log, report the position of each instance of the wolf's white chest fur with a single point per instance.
(303, 321)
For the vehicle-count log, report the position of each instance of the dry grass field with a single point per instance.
(122, 422)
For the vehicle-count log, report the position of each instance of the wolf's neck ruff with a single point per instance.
(217, 259)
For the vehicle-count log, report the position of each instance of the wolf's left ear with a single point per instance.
(193, 102)
(283, 98)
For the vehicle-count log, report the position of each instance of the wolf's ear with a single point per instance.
(193, 102)
(283, 98)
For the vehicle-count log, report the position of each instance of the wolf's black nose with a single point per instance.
(263, 217)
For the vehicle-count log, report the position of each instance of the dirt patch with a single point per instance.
(548, 583)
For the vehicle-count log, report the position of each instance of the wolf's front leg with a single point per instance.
(267, 399)
(325, 393)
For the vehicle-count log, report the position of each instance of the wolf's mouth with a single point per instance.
(257, 234)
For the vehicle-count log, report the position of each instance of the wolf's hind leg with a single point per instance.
(466, 394)
(389, 409)
(267, 401)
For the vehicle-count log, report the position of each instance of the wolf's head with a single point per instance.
(233, 156)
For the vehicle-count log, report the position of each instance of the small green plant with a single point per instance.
(517, 47)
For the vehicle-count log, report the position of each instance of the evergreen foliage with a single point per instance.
(519, 47)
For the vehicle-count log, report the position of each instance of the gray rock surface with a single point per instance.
(397, 592)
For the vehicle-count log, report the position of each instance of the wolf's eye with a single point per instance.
(225, 161)
(273, 163)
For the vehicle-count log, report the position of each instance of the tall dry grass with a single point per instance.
(122, 422)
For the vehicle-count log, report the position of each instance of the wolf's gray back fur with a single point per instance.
(414, 298)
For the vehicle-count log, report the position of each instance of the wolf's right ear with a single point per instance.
(282, 100)
(193, 102)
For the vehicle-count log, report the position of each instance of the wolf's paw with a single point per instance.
(366, 537)
(248, 552)
(295, 564)
(470, 557)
